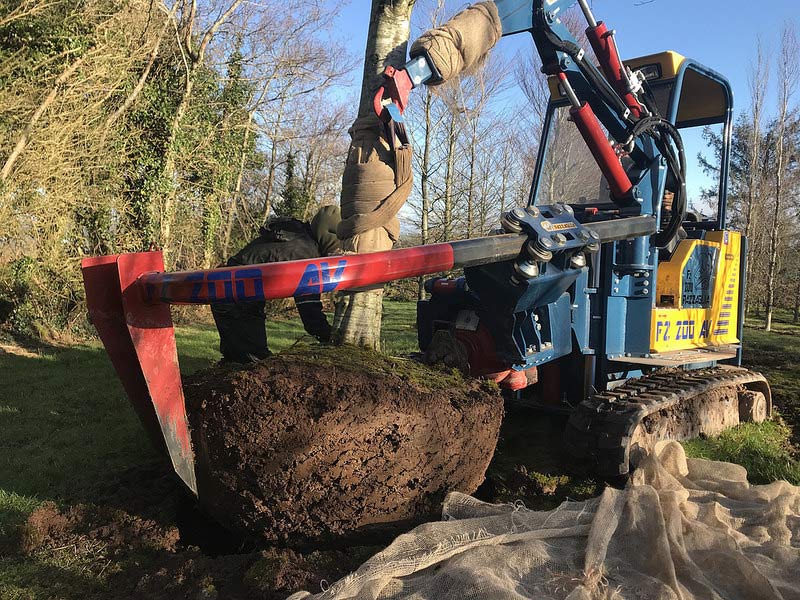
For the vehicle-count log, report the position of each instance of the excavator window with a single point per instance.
(687, 94)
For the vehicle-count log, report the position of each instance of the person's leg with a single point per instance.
(242, 331)
(313, 317)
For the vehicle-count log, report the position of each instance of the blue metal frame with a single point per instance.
(727, 132)
(628, 268)
(610, 315)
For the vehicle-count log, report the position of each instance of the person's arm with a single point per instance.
(313, 317)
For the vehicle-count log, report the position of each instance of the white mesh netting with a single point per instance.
(682, 529)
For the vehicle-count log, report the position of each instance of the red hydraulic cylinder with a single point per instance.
(602, 41)
(618, 181)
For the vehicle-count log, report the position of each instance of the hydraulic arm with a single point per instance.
(611, 106)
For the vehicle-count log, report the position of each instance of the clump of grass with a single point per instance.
(764, 449)
(378, 364)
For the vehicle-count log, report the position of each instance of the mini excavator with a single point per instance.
(606, 298)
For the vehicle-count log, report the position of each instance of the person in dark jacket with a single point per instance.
(242, 326)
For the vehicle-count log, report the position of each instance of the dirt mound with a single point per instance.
(320, 443)
(125, 556)
(115, 528)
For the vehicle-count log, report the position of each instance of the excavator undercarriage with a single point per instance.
(607, 431)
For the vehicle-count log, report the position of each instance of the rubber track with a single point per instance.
(599, 430)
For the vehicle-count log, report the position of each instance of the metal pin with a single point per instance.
(587, 12)
(573, 98)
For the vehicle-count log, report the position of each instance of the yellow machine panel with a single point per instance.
(681, 320)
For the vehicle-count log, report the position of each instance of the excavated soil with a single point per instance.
(128, 556)
(336, 445)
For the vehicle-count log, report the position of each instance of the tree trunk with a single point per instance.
(137, 89)
(358, 314)
(195, 60)
(758, 79)
(424, 177)
(25, 136)
(273, 157)
(237, 190)
(789, 69)
(471, 190)
(447, 221)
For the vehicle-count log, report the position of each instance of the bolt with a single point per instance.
(546, 243)
(583, 235)
(568, 209)
(559, 238)
(578, 261)
(532, 211)
(526, 270)
(556, 209)
(594, 235)
(616, 290)
(510, 221)
(536, 252)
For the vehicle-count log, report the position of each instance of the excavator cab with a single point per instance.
(699, 275)
(688, 94)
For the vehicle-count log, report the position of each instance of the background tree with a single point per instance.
(140, 124)
(788, 74)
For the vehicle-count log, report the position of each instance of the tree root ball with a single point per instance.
(323, 444)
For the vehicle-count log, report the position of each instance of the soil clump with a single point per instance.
(322, 445)
(126, 556)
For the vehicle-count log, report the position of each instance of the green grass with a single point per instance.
(776, 354)
(68, 432)
(67, 424)
(768, 451)
(764, 450)
(399, 328)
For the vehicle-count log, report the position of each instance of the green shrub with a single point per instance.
(39, 301)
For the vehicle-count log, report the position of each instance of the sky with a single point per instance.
(720, 34)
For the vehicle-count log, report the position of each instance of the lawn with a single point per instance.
(68, 433)
(68, 430)
(768, 451)
(63, 410)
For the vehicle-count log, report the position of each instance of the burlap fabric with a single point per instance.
(376, 183)
(682, 529)
(463, 42)
(377, 178)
